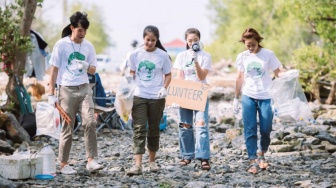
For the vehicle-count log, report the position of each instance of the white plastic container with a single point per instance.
(20, 166)
(49, 160)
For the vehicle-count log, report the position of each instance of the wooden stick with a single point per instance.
(63, 113)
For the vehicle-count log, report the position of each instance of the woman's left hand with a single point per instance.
(162, 93)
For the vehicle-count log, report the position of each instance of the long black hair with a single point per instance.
(155, 31)
(75, 19)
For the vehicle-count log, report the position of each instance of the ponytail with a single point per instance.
(159, 45)
(66, 31)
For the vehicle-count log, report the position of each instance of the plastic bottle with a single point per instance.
(49, 160)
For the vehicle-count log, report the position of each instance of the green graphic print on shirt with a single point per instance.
(189, 69)
(255, 70)
(146, 71)
(72, 66)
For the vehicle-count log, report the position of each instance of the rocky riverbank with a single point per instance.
(300, 155)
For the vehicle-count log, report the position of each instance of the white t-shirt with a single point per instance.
(150, 68)
(184, 62)
(64, 55)
(256, 68)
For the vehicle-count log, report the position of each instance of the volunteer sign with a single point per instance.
(187, 94)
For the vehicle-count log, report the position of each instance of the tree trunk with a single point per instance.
(14, 131)
(331, 96)
(316, 91)
(12, 103)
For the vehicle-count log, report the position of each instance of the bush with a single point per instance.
(315, 65)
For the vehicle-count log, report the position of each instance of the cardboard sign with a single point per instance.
(187, 94)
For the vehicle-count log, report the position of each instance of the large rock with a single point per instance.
(13, 128)
(9, 184)
(311, 141)
(281, 148)
(5, 147)
(323, 135)
(329, 147)
(223, 128)
(328, 118)
(310, 131)
(232, 133)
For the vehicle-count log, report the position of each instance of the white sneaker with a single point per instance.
(93, 165)
(153, 167)
(135, 170)
(68, 170)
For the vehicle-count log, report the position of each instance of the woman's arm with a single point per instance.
(91, 70)
(239, 83)
(52, 80)
(167, 80)
(276, 72)
(180, 74)
(201, 73)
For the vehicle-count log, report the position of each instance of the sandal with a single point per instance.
(205, 164)
(262, 162)
(185, 162)
(253, 168)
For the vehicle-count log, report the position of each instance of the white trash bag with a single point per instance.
(124, 98)
(289, 100)
(47, 120)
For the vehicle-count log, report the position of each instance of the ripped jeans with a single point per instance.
(198, 146)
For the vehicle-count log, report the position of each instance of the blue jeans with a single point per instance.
(250, 108)
(194, 147)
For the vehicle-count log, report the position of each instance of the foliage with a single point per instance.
(321, 17)
(12, 40)
(300, 32)
(165, 185)
(15, 20)
(313, 65)
(96, 34)
(51, 33)
(281, 31)
(317, 63)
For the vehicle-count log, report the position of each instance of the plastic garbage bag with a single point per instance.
(289, 100)
(124, 98)
(47, 120)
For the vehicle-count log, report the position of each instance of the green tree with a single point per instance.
(314, 68)
(15, 21)
(317, 63)
(281, 31)
(50, 32)
(96, 34)
(320, 16)
(302, 33)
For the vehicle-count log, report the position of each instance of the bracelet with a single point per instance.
(88, 67)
